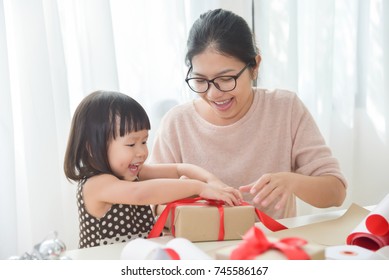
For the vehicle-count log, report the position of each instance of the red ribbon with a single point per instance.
(255, 243)
(171, 207)
(172, 254)
(267, 221)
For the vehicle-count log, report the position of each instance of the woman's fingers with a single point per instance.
(261, 183)
(245, 189)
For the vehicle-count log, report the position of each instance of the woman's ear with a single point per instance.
(255, 69)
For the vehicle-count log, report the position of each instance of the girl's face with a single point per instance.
(215, 106)
(127, 154)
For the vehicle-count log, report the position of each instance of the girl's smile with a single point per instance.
(127, 154)
(134, 168)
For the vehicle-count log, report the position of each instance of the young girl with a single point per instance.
(106, 155)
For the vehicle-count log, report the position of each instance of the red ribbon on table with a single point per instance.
(255, 243)
(267, 221)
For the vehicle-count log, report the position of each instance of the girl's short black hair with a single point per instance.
(100, 117)
(226, 33)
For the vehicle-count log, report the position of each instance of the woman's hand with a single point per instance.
(320, 191)
(272, 187)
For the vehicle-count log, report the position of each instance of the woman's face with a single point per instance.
(215, 106)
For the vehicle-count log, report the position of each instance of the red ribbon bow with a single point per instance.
(255, 243)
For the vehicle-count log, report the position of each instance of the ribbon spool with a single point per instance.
(175, 249)
(373, 232)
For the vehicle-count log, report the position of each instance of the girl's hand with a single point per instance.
(271, 187)
(229, 195)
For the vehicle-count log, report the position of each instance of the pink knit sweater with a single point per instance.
(277, 134)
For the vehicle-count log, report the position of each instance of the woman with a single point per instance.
(263, 142)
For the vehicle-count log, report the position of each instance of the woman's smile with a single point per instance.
(223, 105)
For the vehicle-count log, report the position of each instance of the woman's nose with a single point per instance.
(213, 92)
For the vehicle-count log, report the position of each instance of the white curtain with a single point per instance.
(334, 54)
(53, 53)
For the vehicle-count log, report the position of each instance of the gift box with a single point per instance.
(201, 220)
(202, 223)
(267, 221)
(256, 245)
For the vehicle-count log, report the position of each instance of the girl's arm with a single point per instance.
(101, 191)
(153, 171)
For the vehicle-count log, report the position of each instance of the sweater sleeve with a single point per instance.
(310, 154)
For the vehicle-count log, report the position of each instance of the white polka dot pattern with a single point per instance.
(120, 224)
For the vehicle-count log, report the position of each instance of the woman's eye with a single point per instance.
(130, 145)
(144, 142)
(199, 81)
(225, 79)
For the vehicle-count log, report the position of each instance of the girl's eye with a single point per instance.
(144, 142)
(130, 145)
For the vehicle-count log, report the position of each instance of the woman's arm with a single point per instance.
(319, 191)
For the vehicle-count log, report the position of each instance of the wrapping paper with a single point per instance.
(332, 232)
(175, 249)
(373, 232)
(256, 245)
(197, 219)
(354, 252)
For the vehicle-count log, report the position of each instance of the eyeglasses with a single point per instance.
(223, 83)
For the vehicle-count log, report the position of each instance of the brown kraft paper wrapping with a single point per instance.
(202, 223)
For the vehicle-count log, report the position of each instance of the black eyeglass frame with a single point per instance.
(235, 77)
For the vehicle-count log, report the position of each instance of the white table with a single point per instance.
(112, 252)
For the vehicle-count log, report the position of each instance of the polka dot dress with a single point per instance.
(120, 224)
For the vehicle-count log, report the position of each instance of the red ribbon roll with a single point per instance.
(255, 243)
(377, 224)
